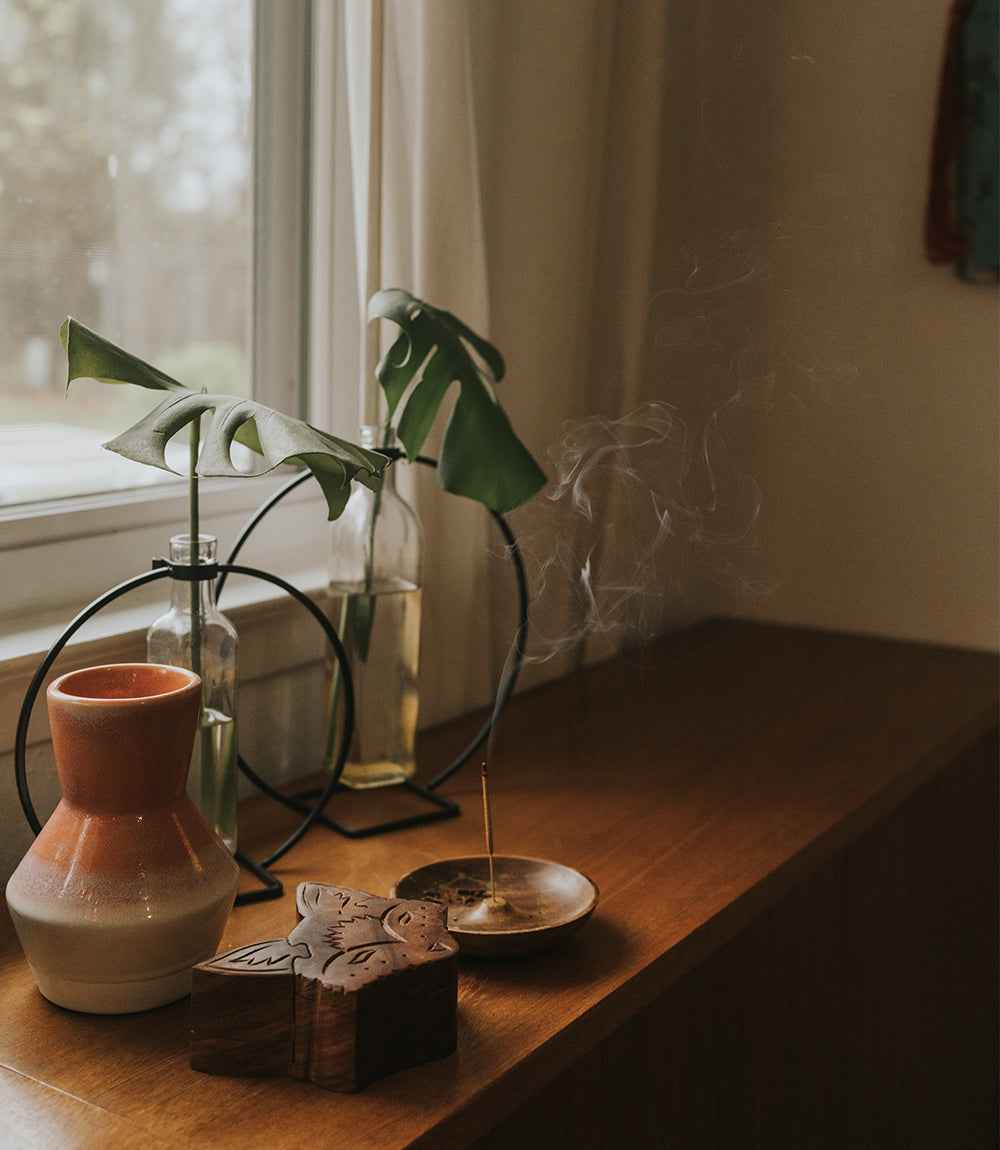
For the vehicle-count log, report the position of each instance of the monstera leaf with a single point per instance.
(278, 438)
(480, 457)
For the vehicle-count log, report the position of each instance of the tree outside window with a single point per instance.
(125, 189)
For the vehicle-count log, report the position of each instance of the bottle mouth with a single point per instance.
(121, 682)
(378, 437)
(185, 539)
(197, 551)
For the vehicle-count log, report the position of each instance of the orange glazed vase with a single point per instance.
(126, 887)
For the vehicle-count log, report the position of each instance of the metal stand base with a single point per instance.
(272, 887)
(445, 809)
(314, 811)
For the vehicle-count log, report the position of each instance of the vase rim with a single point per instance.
(112, 684)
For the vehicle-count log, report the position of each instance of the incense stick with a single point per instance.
(487, 818)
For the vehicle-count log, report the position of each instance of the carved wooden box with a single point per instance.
(361, 987)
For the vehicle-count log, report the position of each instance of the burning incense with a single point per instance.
(488, 820)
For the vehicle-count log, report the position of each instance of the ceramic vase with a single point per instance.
(126, 887)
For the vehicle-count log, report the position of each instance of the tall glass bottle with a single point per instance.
(195, 634)
(375, 587)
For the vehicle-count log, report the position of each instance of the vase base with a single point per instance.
(114, 997)
(375, 773)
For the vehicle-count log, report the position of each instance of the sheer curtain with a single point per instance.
(519, 182)
(432, 243)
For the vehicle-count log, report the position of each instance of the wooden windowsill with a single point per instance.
(698, 782)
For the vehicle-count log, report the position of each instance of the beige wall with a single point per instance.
(876, 457)
(844, 391)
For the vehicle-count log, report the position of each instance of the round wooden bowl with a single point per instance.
(538, 903)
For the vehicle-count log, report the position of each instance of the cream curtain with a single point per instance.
(520, 175)
(432, 243)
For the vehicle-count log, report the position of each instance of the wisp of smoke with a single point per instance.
(630, 502)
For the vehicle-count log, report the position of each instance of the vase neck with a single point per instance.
(118, 754)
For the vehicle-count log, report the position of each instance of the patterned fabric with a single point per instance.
(963, 209)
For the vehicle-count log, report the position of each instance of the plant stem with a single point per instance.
(357, 612)
(207, 765)
(194, 440)
(333, 701)
(194, 529)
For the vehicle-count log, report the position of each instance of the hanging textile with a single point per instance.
(963, 207)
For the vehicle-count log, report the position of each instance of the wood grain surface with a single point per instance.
(701, 783)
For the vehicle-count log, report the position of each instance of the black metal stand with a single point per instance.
(310, 804)
(272, 887)
(445, 808)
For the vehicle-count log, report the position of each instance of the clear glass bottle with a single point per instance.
(375, 587)
(195, 634)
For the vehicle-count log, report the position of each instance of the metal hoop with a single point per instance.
(506, 687)
(260, 868)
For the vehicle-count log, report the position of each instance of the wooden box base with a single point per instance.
(361, 987)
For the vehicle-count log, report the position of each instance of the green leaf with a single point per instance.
(481, 457)
(91, 356)
(360, 621)
(279, 438)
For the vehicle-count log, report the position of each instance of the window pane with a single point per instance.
(124, 201)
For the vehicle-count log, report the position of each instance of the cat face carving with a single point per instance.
(347, 935)
(351, 935)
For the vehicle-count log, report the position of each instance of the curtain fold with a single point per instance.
(572, 93)
(431, 220)
(432, 245)
(520, 174)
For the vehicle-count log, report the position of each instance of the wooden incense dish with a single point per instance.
(536, 903)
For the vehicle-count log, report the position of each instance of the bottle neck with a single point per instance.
(189, 594)
(193, 596)
(378, 437)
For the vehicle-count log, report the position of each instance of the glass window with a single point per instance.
(125, 201)
(155, 184)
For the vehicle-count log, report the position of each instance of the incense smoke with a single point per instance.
(644, 511)
(632, 502)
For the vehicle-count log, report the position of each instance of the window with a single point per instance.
(156, 185)
(125, 202)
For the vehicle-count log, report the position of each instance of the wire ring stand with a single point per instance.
(272, 886)
(447, 808)
(312, 804)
